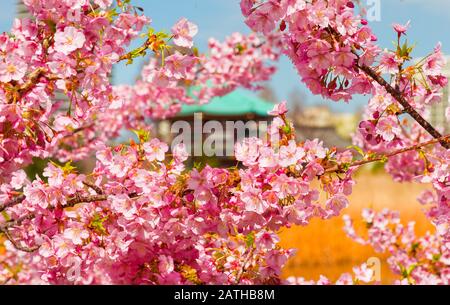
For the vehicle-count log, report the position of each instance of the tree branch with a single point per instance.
(77, 199)
(19, 91)
(407, 107)
(91, 185)
(17, 245)
(12, 202)
(339, 167)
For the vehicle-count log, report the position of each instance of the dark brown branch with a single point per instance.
(77, 199)
(16, 222)
(12, 202)
(19, 91)
(407, 107)
(91, 185)
(339, 168)
(32, 80)
(6, 281)
(17, 245)
(84, 199)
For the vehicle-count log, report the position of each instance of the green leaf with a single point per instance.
(250, 239)
(96, 224)
(358, 149)
(240, 48)
(67, 168)
(6, 216)
(51, 24)
(143, 135)
(198, 165)
(415, 246)
(437, 257)
(286, 129)
(411, 269)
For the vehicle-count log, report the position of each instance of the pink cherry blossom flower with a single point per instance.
(36, 195)
(266, 239)
(279, 109)
(248, 151)
(286, 186)
(155, 150)
(46, 249)
(291, 154)
(253, 201)
(12, 68)
(336, 204)
(344, 58)
(388, 128)
(246, 7)
(363, 273)
(400, 28)
(183, 32)
(62, 65)
(103, 3)
(179, 66)
(123, 205)
(19, 179)
(315, 149)
(267, 157)
(389, 63)
(62, 246)
(180, 153)
(261, 20)
(345, 279)
(69, 40)
(76, 234)
(166, 264)
(54, 174)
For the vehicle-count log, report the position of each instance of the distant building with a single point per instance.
(233, 109)
(437, 113)
(334, 129)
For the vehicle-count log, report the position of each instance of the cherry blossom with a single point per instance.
(69, 40)
(117, 223)
(183, 32)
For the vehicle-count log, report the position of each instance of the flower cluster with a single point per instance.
(325, 40)
(118, 224)
(68, 48)
(335, 53)
(418, 260)
(69, 55)
(141, 216)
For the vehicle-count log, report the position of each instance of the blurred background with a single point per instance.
(322, 247)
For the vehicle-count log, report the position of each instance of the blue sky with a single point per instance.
(430, 21)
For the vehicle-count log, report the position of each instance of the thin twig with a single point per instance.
(96, 188)
(17, 245)
(244, 266)
(339, 167)
(12, 202)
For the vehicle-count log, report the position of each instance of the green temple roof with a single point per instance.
(232, 104)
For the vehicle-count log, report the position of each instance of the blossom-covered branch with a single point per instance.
(407, 108)
(384, 157)
(118, 224)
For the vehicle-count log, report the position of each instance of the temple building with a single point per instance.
(224, 121)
